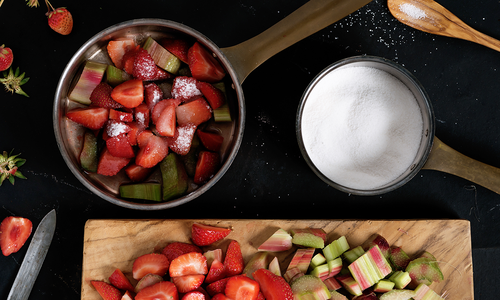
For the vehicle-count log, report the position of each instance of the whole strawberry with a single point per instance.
(60, 19)
(6, 58)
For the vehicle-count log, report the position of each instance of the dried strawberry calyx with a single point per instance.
(13, 81)
(9, 165)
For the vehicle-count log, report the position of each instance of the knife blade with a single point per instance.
(34, 258)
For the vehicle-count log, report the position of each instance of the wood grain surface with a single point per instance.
(111, 244)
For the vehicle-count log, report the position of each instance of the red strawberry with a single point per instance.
(233, 262)
(204, 235)
(110, 165)
(120, 281)
(206, 166)
(144, 66)
(260, 296)
(92, 117)
(220, 296)
(273, 287)
(142, 114)
(129, 58)
(242, 288)
(180, 143)
(213, 95)
(166, 122)
(164, 290)
(6, 58)
(115, 128)
(60, 20)
(135, 130)
(175, 249)
(152, 95)
(117, 49)
(177, 47)
(14, 232)
(152, 153)
(120, 115)
(119, 146)
(137, 173)
(217, 287)
(192, 263)
(153, 263)
(216, 272)
(158, 108)
(162, 74)
(211, 141)
(196, 112)
(128, 296)
(143, 138)
(129, 94)
(184, 88)
(188, 283)
(194, 295)
(106, 290)
(203, 65)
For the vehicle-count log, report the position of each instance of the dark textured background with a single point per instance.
(269, 178)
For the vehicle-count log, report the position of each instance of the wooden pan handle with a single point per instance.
(306, 20)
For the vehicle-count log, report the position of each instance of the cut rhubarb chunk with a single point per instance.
(383, 286)
(309, 287)
(259, 260)
(274, 266)
(337, 296)
(146, 191)
(424, 270)
(222, 114)
(320, 232)
(423, 292)
(382, 244)
(350, 284)
(161, 56)
(398, 258)
(332, 284)
(310, 240)
(398, 295)
(317, 260)
(336, 248)
(280, 240)
(91, 76)
(88, 156)
(115, 76)
(369, 268)
(401, 279)
(353, 254)
(174, 177)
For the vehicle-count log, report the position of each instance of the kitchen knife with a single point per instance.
(34, 258)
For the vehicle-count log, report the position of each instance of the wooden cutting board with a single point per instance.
(111, 244)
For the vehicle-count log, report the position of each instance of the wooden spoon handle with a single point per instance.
(445, 159)
(306, 20)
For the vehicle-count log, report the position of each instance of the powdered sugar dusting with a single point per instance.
(140, 118)
(412, 11)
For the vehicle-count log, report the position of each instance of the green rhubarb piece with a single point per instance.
(337, 296)
(309, 287)
(336, 248)
(146, 191)
(332, 284)
(424, 270)
(353, 254)
(351, 285)
(222, 113)
(317, 260)
(398, 258)
(90, 77)
(259, 260)
(115, 76)
(383, 286)
(161, 56)
(309, 240)
(382, 244)
(428, 255)
(370, 267)
(88, 156)
(423, 292)
(291, 273)
(211, 255)
(305, 259)
(401, 279)
(174, 177)
(321, 271)
(335, 266)
(280, 240)
(397, 295)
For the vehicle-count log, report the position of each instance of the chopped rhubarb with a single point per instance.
(280, 240)
(91, 76)
(309, 287)
(370, 267)
(336, 248)
(161, 56)
(145, 191)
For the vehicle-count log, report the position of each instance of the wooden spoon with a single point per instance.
(429, 16)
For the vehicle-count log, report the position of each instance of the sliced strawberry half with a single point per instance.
(217, 287)
(143, 137)
(155, 113)
(214, 96)
(194, 295)
(152, 95)
(144, 66)
(129, 58)
(178, 47)
(273, 287)
(166, 122)
(142, 114)
(137, 173)
(93, 118)
(216, 272)
(135, 130)
(164, 290)
(121, 116)
(204, 235)
(206, 166)
(14, 232)
(117, 48)
(211, 141)
(101, 96)
(119, 146)
(188, 283)
(233, 262)
(152, 263)
(106, 290)
(192, 263)
(120, 281)
(110, 165)
(196, 112)
(181, 142)
(184, 88)
(203, 65)
(175, 249)
(128, 296)
(242, 288)
(129, 93)
(155, 150)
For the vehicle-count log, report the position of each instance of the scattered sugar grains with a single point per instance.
(361, 127)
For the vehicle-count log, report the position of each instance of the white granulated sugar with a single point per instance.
(141, 118)
(116, 128)
(412, 11)
(361, 127)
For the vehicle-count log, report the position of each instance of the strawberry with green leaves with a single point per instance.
(6, 57)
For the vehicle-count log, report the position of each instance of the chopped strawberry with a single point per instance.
(203, 65)
(101, 96)
(242, 288)
(273, 287)
(211, 141)
(181, 142)
(106, 290)
(129, 94)
(144, 66)
(164, 290)
(233, 262)
(166, 122)
(216, 272)
(213, 95)
(162, 74)
(117, 48)
(129, 58)
(196, 112)
(184, 88)
(114, 128)
(110, 165)
(152, 95)
(93, 118)
(128, 296)
(143, 138)
(137, 173)
(175, 249)
(217, 287)
(152, 263)
(119, 146)
(135, 130)
(120, 281)
(120, 115)
(14, 232)
(152, 153)
(260, 296)
(194, 295)
(142, 114)
(204, 235)
(220, 296)
(178, 47)
(188, 283)
(155, 114)
(192, 263)
(206, 166)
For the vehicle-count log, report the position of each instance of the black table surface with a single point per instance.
(269, 178)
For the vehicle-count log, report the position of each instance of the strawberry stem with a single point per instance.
(49, 6)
